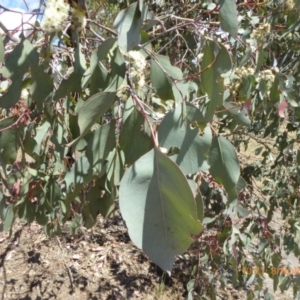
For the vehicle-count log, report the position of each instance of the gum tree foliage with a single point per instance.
(150, 113)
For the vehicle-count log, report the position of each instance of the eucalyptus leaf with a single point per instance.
(41, 87)
(93, 109)
(238, 113)
(224, 165)
(134, 141)
(158, 207)
(163, 75)
(180, 129)
(99, 145)
(128, 23)
(9, 140)
(19, 60)
(228, 16)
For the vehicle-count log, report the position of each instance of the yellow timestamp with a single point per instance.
(272, 271)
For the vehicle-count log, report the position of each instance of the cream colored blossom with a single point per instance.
(24, 94)
(266, 75)
(138, 64)
(55, 15)
(244, 71)
(290, 4)
(261, 31)
(79, 16)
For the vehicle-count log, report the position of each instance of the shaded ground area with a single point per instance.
(100, 263)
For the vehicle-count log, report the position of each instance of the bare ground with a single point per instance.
(101, 263)
(96, 264)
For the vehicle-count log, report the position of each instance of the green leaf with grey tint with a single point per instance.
(128, 24)
(41, 87)
(159, 208)
(180, 129)
(99, 145)
(118, 70)
(73, 83)
(91, 74)
(8, 217)
(19, 60)
(100, 201)
(115, 166)
(199, 200)
(216, 61)
(13, 93)
(238, 113)
(224, 165)
(134, 141)
(79, 173)
(229, 16)
(9, 140)
(93, 109)
(162, 75)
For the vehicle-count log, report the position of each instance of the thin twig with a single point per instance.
(67, 268)
(15, 123)
(103, 27)
(139, 104)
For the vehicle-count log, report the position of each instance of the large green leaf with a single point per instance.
(175, 131)
(216, 61)
(79, 173)
(99, 200)
(128, 23)
(15, 67)
(99, 79)
(159, 208)
(41, 87)
(73, 82)
(99, 144)
(238, 113)
(228, 16)
(9, 140)
(59, 139)
(40, 136)
(12, 95)
(7, 214)
(69, 85)
(224, 165)
(118, 70)
(162, 76)
(199, 200)
(134, 141)
(93, 109)
(96, 57)
(19, 60)
(115, 166)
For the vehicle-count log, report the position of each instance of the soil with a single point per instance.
(101, 263)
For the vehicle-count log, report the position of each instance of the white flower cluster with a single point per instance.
(290, 4)
(244, 71)
(261, 31)
(236, 84)
(266, 75)
(138, 64)
(55, 16)
(160, 2)
(24, 94)
(79, 16)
